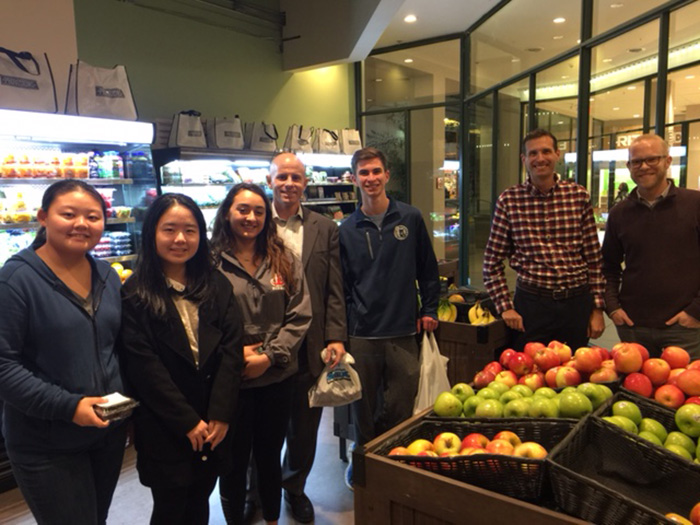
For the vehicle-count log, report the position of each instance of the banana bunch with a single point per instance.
(447, 311)
(478, 315)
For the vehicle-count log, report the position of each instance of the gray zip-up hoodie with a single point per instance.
(270, 316)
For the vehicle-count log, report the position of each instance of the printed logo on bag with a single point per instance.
(194, 133)
(354, 142)
(232, 134)
(101, 91)
(277, 282)
(17, 82)
(265, 139)
(401, 232)
(338, 374)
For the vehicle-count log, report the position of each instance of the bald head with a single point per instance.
(652, 139)
(287, 179)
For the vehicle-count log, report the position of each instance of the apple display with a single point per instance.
(509, 436)
(545, 391)
(680, 451)
(655, 427)
(523, 390)
(567, 376)
(489, 408)
(447, 442)
(476, 440)
(462, 391)
(675, 356)
(481, 379)
(680, 438)
(498, 386)
(688, 419)
(692, 399)
(562, 349)
(657, 370)
(689, 382)
(532, 347)
(673, 375)
(447, 405)
(623, 422)
(605, 374)
(533, 380)
(543, 407)
(510, 395)
(546, 358)
(694, 365)
(604, 353)
(651, 437)
(587, 359)
(521, 363)
(500, 446)
(517, 408)
(494, 367)
(639, 383)
(469, 406)
(695, 514)
(670, 396)
(627, 409)
(505, 357)
(593, 392)
(507, 377)
(531, 450)
(488, 393)
(627, 358)
(677, 518)
(608, 363)
(419, 445)
(550, 377)
(574, 405)
(399, 451)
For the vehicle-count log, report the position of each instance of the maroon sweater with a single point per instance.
(660, 248)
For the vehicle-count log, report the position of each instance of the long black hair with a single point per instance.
(61, 188)
(151, 285)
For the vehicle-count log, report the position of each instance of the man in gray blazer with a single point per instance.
(314, 239)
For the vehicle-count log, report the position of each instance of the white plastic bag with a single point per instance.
(336, 386)
(433, 373)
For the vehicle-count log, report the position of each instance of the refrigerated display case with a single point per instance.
(37, 149)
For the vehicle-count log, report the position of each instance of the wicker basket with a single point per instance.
(518, 477)
(602, 474)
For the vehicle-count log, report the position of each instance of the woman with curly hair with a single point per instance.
(268, 282)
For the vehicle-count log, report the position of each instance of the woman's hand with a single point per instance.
(85, 415)
(256, 365)
(217, 433)
(198, 436)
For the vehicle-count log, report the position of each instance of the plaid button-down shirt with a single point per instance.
(550, 239)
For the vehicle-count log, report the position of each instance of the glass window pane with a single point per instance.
(683, 95)
(412, 76)
(684, 44)
(611, 13)
(499, 52)
(387, 132)
(512, 104)
(693, 178)
(617, 110)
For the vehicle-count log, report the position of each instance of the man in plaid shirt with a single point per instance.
(545, 227)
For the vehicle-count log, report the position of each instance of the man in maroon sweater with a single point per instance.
(655, 232)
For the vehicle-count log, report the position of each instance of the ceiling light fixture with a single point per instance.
(559, 20)
(409, 19)
(689, 77)
(607, 60)
(616, 5)
(408, 60)
(631, 88)
(557, 37)
(616, 108)
(636, 115)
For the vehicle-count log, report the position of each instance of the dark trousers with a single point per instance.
(72, 488)
(548, 319)
(184, 505)
(302, 433)
(656, 339)
(389, 370)
(260, 425)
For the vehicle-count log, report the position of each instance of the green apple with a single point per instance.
(498, 386)
(510, 395)
(489, 408)
(681, 451)
(593, 392)
(545, 391)
(528, 400)
(469, 406)
(627, 409)
(543, 407)
(462, 391)
(523, 390)
(650, 436)
(623, 422)
(688, 419)
(447, 405)
(606, 389)
(679, 438)
(516, 408)
(655, 427)
(574, 404)
(488, 393)
(567, 389)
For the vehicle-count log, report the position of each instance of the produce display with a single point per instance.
(477, 314)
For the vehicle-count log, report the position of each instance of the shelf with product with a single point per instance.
(38, 149)
(330, 190)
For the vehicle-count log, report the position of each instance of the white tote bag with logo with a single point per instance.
(99, 92)
(298, 139)
(326, 141)
(26, 81)
(187, 130)
(349, 141)
(225, 133)
(260, 136)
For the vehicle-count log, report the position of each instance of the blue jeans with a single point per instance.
(71, 488)
(656, 339)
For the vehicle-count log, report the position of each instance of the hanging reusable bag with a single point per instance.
(99, 92)
(187, 130)
(225, 133)
(298, 139)
(336, 386)
(349, 141)
(26, 82)
(326, 141)
(433, 373)
(260, 136)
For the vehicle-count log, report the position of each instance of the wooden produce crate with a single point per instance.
(393, 493)
(470, 347)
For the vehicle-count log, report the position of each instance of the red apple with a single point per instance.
(695, 514)
(550, 377)
(642, 350)
(419, 445)
(587, 359)
(494, 367)
(430, 453)
(532, 347)
(476, 440)
(695, 365)
(521, 363)
(482, 379)
(670, 396)
(689, 382)
(546, 358)
(500, 446)
(563, 350)
(530, 449)
(604, 374)
(533, 380)
(639, 383)
(505, 357)
(507, 377)
(692, 399)
(627, 358)
(567, 376)
(675, 356)
(608, 363)
(509, 436)
(657, 370)
(399, 451)
(673, 375)
(447, 442)
(604, 353)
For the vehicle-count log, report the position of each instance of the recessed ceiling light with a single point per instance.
(560, 122)
(616, 108)
(409, 19)
(515, 59)
(379, 80)
(591, 99)
(616, 5)
(408, 60)
(636, 115)
(631, 88)
(607, 60)
(559, 20)
(689, 77)
(564, 76)
(557, 37)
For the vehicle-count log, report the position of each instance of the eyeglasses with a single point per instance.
(650, 161)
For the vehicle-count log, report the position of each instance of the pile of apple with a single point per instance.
(447, 444)
(502, 397)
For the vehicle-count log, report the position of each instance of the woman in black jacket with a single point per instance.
(182, 357)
